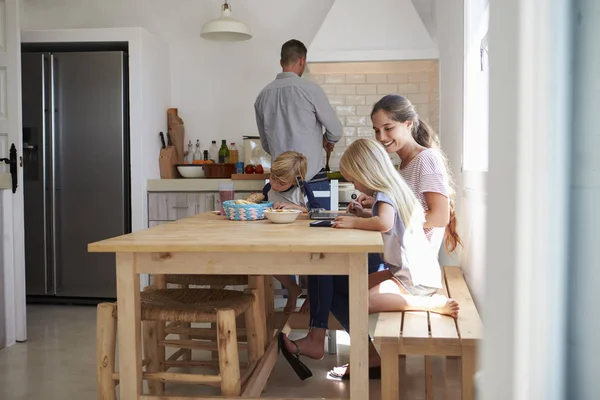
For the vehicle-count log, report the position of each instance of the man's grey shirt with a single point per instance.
(291, 113)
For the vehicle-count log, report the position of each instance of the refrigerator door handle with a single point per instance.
(54, 120)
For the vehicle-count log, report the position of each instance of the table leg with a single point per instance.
(359, 327)
(128, 309)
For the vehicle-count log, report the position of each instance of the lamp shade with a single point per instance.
(226, 28)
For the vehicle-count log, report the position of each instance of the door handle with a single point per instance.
(12, 162)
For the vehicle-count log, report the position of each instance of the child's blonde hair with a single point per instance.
(367, 162)
(288, 166)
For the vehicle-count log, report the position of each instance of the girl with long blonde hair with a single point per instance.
(413, 274)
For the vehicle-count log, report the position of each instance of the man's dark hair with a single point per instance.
(292, 51)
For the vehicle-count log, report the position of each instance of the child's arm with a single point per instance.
(384, 222)
(289, 206)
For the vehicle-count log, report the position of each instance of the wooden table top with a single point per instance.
(212, 233)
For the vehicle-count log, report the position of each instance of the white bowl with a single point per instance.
(282, 216)
(191, 170)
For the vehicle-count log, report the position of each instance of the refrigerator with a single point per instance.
(76, 170)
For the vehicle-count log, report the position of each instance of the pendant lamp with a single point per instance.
(225, 28)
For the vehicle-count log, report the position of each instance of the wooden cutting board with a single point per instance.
(250, 177)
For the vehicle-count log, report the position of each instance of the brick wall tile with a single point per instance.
(316, 78)
(328, 89)
(345, 110)
(364, 110)
(355, 100)
(345, 89)
(417, 77)
(397, 78)
(387, 89)
(337, 100)
(408, 88)
(349, 131)
(424, 87)
(366, 89)
(356, 121)
(365, 131)
(356, 78)
(376, 78)
(335, 78)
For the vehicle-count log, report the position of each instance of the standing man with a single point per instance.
(291, 113)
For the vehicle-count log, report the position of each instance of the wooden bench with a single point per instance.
(429, 334)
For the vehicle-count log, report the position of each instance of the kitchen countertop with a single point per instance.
(201, 185)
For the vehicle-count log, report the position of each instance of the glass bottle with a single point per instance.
(198, 152)
(233, 154)
(189, 158)
(223, 152)
(214, 151)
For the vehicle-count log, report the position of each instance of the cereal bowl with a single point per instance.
(282, 216)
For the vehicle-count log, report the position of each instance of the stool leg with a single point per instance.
(106, 339)
(390, 374)
(332, 342)
(151, 352)
(469, 365)
(255, 328)
(229, 362)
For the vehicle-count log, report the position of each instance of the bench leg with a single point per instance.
(390, 374)
(106, 336)
(428, 379)
(469, 365)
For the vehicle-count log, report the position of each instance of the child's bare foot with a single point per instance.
(293, 293)
(445, 306)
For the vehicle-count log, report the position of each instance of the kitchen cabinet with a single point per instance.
(171, 206)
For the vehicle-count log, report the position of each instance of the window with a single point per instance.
(476, 113)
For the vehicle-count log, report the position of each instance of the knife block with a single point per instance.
(176, 130)
(167, 163)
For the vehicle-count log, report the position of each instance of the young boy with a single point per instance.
(284, 192)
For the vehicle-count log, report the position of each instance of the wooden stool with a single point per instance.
(211, 281)
(186, 306)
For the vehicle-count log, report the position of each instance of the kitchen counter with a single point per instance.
(201, 185)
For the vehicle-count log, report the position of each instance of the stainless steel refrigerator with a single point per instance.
(76, 170)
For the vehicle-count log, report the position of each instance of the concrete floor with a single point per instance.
(58, 363)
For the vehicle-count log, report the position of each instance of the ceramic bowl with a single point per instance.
(282, 216)
(191, 171)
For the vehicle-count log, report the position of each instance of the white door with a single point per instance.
(13, 257)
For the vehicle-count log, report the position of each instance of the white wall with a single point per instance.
(374, 30)
(450, 41)
(473, 192)
(213, 84)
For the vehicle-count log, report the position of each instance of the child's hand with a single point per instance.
(365, 201)
(355, 208)
(283, 204)
(345, 222)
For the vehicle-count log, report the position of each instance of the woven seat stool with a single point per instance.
(187, 306)
(213, 282)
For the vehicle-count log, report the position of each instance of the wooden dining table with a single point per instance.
(208, 244)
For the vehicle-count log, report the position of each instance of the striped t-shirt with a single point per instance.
(427, 173)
